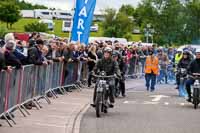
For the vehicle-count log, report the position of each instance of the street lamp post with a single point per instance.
(148, 32)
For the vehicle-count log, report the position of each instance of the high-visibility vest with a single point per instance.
(152, 65)
(178, 58)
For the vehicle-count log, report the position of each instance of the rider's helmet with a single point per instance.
(115, 53)
(179, 50)
(197, 51)
(186, 52)
(107, 49)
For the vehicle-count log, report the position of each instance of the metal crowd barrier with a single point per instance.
(134, 69)
(3, 77)
(31, 83)
(73, 75)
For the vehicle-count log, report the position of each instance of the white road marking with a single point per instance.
(166, 103)
(131, 102)
(153, 103)
(182, 104)
(126, 102)
(158, 97)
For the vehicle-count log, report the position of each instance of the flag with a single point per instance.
(82, 20)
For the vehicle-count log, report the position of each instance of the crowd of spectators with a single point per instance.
(39, 51)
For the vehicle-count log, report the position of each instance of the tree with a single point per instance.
(10, 13)
(170, 25)
(167, 17)
(117, 24)
(28, 6)
(127, 9)
(192, 27)
(145, 13)
(36, 27)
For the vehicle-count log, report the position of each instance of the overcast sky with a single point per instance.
(68, 4)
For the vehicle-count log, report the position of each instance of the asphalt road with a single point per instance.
(161, 111)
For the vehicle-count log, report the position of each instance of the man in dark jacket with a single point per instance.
(53, 53)
(110, 67)
(35, 54)
(118, 58)
(183, 63)
(11, 59)
(2, 62)
(193, 68)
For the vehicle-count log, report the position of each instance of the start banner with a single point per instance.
(82, 20)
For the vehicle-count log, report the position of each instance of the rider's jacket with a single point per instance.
(184, 63)
(121, 64)
(194, 66)
(110, 66)
(152, 65)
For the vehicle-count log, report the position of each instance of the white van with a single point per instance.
(27, 13)
(59, 14)
(67, 26)
(50, 23)
(43, 14)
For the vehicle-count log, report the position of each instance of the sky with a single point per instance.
(68, 4)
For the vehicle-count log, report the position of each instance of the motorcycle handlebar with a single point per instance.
(194, 75)
(99, 76)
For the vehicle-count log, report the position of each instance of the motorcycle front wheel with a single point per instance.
(195, 97)
(98, 104)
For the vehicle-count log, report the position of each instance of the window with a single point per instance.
(45, 13)
(67, 24)
(65, 14)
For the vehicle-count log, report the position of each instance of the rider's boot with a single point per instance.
(111, 105)
(189, 94)
(93, 105)
(189, 99)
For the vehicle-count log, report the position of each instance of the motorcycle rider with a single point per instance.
(193, 68)
(111, 67)
(118, 58)
(183, 63)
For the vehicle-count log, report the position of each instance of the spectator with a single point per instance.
(19, 53)
(142, 58)
(45, 51)
(2, 61)
(54, 54)
(92, 59)
(11, 59)
(32, 39)
(75, 53)
(163, 62)
(133, 61)
(35, 54)
(8, 37)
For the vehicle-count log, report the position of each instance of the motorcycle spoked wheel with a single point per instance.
(98, 104)
(196, 97)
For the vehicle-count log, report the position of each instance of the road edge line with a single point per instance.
(78, 118)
